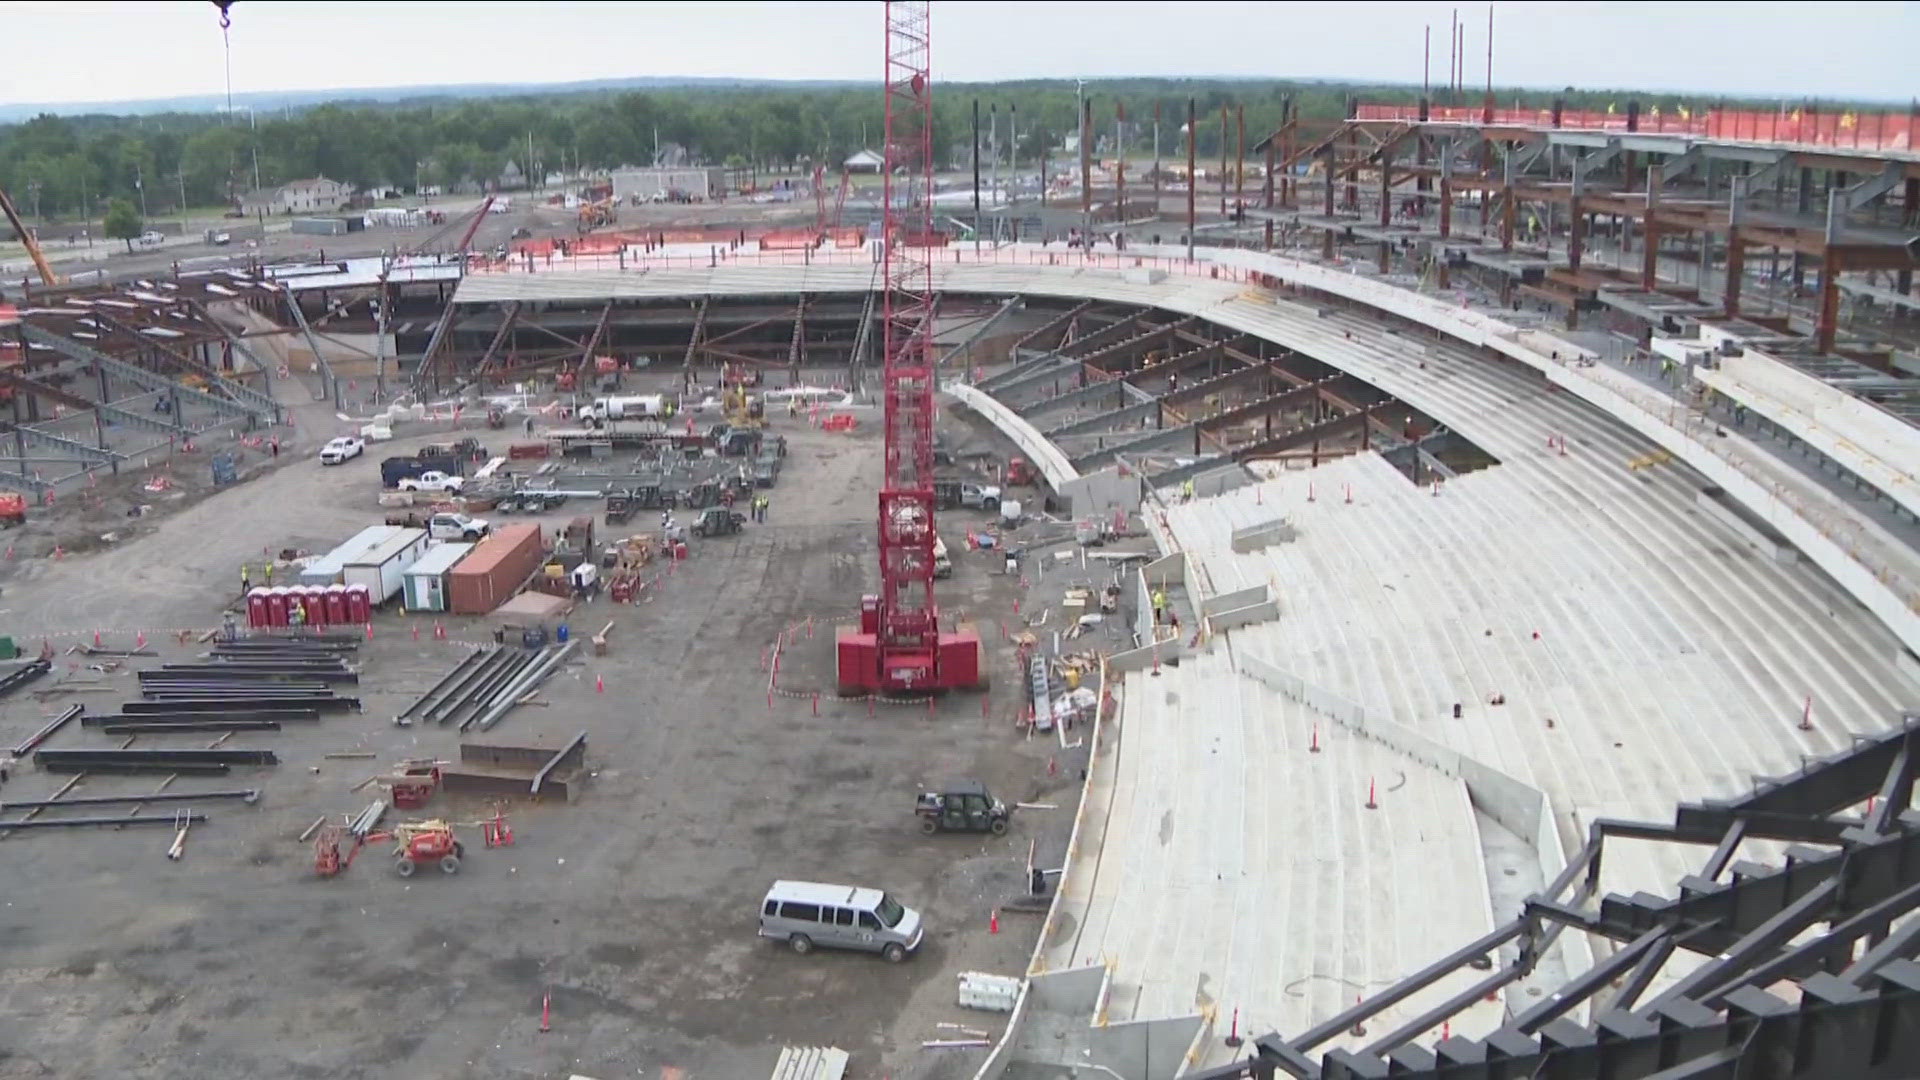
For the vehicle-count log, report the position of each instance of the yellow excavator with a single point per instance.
(33, 247)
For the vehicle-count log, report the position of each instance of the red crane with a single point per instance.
(899, 645)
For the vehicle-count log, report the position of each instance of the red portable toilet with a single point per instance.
(313, 604)
(277, 606)
(336, 604)
(359, 604)
(257, 607)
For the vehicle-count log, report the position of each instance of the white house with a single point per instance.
(305, 196)
(866, 161)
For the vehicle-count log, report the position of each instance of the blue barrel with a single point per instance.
(560, 633)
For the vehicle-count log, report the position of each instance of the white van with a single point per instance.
(806, 913)
(942, 563)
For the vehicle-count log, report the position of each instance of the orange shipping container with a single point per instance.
(494, 569)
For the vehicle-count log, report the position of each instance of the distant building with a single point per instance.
(866, 161)
(511, 179)
(669, 183)
(302, 197)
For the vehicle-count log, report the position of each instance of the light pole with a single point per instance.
(140, 185)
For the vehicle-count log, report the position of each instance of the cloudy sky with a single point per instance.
(96, 51)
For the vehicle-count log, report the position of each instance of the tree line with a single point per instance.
(56, 167)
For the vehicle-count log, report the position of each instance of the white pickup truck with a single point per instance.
(457, 527)
(433, 480)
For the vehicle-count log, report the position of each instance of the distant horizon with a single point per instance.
(253, 100)
(82, 56)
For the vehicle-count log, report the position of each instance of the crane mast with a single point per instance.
(899, 646)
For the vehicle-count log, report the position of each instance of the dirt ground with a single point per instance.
(634, 907)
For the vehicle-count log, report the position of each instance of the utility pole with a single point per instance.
(976, 176)
(183, 201)
(1156, 159)
(140, 185)
(1193, 176)
(1239, 161)
(1226, 144)
(1085, 173)
(1120, 168)
(1013, 147)
(993, 149)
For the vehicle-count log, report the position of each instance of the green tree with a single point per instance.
(123, 222)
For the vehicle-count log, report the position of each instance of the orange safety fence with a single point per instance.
(1874, 132)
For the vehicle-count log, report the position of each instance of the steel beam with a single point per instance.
(1104, 422)
(246, 796)
(592, 343)
(235, 390)
(175, 821)
(1114, 390)
(1184, 438)
(108, 413)
(77, 449)
(511, 316)
(546, 770)
(138, 375)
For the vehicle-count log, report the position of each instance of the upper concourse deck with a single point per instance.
(1247, 291)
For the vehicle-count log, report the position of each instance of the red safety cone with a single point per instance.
(993, 922)
(1806, 715)
(416, 631)
(140, 640)
(1372, 803)
(816, 703)
(1349, 494)
(1314, 746)
(1233, 1033)
(546, 1012)
(9, 551)
(599, 684)
(369, 631)
(96, 639)
(1359, 1029)
(1446, 1030)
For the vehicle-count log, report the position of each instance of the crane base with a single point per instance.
(954, 664)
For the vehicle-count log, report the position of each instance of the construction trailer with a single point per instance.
(425, 582)
(380, 568)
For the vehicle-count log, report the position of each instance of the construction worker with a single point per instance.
(1159, 605)
(269, 572)
(296, 615)
(246, 579)
(1186, 491)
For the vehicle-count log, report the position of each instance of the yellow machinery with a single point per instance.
(744, 410)
(33, 247)
(594, 215)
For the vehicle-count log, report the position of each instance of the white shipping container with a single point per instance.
(382, 569)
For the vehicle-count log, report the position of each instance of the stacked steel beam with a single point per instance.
(484, 686)
(248, 685)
